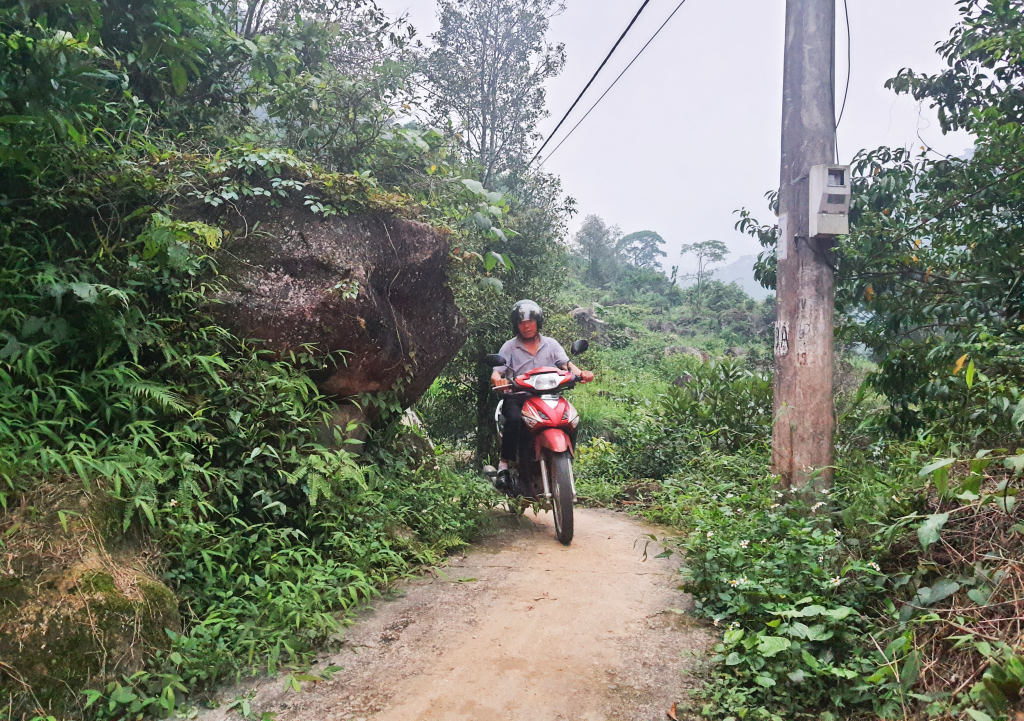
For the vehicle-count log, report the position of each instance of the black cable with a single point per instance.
(832, 96)
(849, 67)
(683, 2)
(590, 82)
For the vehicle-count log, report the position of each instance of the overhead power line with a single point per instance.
(849, 61)
(656, 32)
(590, 82)
(849, 68)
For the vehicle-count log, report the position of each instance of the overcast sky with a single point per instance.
(691, 132)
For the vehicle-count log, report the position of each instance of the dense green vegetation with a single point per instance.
(131, 133)
(867, 599)
(897, 593)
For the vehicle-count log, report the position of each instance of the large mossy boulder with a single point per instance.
(588, 321)
(79, 602)
(371, 287)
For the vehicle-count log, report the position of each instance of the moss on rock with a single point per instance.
(72, 615)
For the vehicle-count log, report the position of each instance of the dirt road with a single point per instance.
(519, 628)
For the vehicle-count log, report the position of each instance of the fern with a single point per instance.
(168, 400)
(113, 374)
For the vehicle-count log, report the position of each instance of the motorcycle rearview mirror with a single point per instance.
(495, 359)
(580, 346)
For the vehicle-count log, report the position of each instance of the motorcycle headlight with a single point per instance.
(546, 382)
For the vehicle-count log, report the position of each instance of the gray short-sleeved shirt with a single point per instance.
(550, 353)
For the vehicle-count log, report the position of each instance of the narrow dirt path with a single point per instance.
(520, 628)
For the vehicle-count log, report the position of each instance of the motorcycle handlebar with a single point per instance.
(511, 391)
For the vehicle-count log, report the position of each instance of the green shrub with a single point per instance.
(112, 372)
(266, 596)
(771, 571)
(723, 407)
(598, 471)
(729, 405)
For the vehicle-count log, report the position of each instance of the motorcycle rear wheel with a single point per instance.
(561, 495)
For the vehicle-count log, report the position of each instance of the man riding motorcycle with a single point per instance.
(526, 351)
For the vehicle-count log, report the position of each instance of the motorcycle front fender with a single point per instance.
(554, 440)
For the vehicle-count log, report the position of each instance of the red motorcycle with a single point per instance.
(545, 456)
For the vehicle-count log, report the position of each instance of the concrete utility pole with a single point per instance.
(805, 293)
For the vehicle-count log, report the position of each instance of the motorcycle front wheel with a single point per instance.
(561, 495)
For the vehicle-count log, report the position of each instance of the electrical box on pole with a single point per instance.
(830, 201)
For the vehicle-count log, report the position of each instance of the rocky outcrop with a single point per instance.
(371, 290)
(661, 326)
(345, 422)
(682, 381)
(641, 489)
(735, 315)
(80, 605)
(413, 442)
(686, 350)
(588, 321)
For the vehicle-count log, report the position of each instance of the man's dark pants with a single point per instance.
(514, 432)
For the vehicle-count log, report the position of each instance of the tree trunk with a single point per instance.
(486, 435)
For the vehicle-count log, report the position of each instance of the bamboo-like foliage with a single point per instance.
(128, 131)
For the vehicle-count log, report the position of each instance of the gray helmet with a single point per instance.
(526, 310)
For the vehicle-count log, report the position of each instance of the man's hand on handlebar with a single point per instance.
(583, 376)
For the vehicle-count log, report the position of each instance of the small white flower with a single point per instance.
(837, 533)
(744, 544)
(716, 621)
(764, 540)
(729, 495)
(710, 534)
(896, 499)
(836, 581)
(816, 506)
(173, 503)
(875, 566)
(821, 559)
(734, 625)
(778, 494)
(775, 505)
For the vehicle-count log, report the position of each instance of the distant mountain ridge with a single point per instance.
(741, 271)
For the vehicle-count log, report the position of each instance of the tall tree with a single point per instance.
(486, 73)
(708, 253)
(597, 243)
(930, 277)
(984, 68)
(484, 77)
(642, 249)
